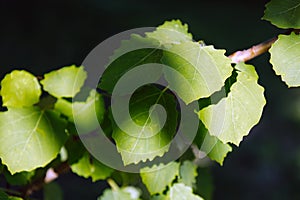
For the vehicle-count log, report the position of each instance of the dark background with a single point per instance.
(43, 35)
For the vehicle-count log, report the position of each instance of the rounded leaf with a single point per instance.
(64, 82)
(20, 88)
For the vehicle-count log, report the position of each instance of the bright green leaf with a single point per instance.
(30, 138)
(188, 173)
(171, 32)
(83, 111)
(181, 192)
(157, 178)
(199, 70)
(150, 142)
(90, 167)
(64, 82)
(232, 118)
(283, 13)
(285, 58)
(126, 193)
(211, 145)
(20, 88)
(160, 197)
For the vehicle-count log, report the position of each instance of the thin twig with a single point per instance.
(256, 50)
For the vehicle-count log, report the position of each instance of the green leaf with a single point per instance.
(181, 192)
(232, 118)
(30, 138)
(171, 32)
(20, 88)
(160, 197)
(52, 191)
(283, 13)
(126, 193)
(132, 53)
(211, 145)
(157, 178)
(21, 178)
(82, 112)
(4, 196)
(64, 82)
(285, 58)
(199, 70)
(205, 185)
(188, 173)
(150, 141)
(90, 167)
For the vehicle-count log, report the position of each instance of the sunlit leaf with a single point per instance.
(30, 138)
(233, 117)
(64, 82)
(285, 58)
(20, 88)
(90, 167)
(157, 178)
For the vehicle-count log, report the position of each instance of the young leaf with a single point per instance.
(149, 142)
(283, 13)
(30, 138)
(211, 145)
(171, 32)
(199, 70)
(20, 88)
(232, 118)
(157, 178)
(64, 82)
(82, 112)
(90, 167)
(285, 58)
(181, 192)
(188, 173)
(126, 193)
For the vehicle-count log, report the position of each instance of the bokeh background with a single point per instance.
(43, 35)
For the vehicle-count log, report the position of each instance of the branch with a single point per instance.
(51, 175)
(256, 50)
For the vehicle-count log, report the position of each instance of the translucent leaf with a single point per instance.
(90, 167)
(64, 82)
(188, 173)
(157, 178)
(30, 138)
(132, 53)
(181, 192)
(149, 142)
(171, 32)
(200, 70)
(53, 191)
(82, 112)
(232, 118)
(283, 13)
(20, 88)
(285, 58)
(211, 145)
(126, 193)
